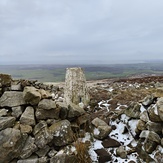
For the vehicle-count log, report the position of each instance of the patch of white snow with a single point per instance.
(96, 131)
(142, 109)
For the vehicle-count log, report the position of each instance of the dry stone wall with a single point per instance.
(34, 124)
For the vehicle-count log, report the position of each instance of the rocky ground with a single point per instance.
(122, 123)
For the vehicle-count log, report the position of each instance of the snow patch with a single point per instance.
(133, 124)
(155, 109)
(142, 109)
(96, 131)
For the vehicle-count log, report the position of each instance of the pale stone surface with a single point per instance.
(148, 100)
(11, 144)
(42, 134)
(62, 133)
(31, 95)
(47, 104)
(102, 128)
(28, 117)
(141, 125)
(17, 87)
(47, 114)
(160, 107)
(156, 127)
(75, 110)
(153, 113)
(144, 116)
(121, 152)
(44, 94)
(150, 135)
(3, 112)
(63, 158)
(17, 111)
(63, 109)
(6, 122)
(133, 110)
(32, 159)
(28, 148)
(11, 99)
(76, 90)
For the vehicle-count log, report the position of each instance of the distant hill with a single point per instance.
(56, 73)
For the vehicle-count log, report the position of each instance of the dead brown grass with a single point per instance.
(82, 152)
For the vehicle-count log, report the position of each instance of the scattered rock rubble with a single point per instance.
(123, 122)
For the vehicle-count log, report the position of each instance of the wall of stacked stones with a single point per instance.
(34, 121)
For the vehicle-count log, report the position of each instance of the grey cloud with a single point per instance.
(54, 31)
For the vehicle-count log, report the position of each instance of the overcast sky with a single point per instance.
(80, 31)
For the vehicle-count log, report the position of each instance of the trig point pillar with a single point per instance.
(75, 86)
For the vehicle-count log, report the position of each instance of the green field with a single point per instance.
(56, 73)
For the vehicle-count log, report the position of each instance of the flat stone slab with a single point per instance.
(6, 122)
(11, 99)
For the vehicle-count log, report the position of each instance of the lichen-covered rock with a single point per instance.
(102, 129)
(76, 90)
(133, 110)
(75, 111)
(143, 154)
(28, 117)
(149, 146)
(63, 109)
(29, 148)
(153, 113)
(158, 155)
(6, 122)
(144, 116)
(11, 144)
(63, 158)
(160, 107)
(47, 104)
(141, 125)
(31, 95)
(42, 114)
(62, 133)
(42, 134)
(83, 119)
(43, 151)
(47, 110)
(156, 127)
(11, 99)
(52, 153)
(150, 135)
(31, 159)
(148, 100)
(17, 111)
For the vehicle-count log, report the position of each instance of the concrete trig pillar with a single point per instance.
(75, 87)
